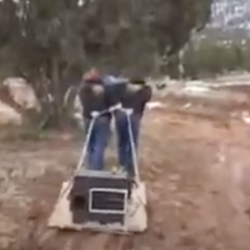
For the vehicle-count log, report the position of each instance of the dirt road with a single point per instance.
(197, 172)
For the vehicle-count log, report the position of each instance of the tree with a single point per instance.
(214, 57)
(58, 39)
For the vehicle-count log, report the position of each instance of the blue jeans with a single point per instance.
(125, 155)
(98, 142)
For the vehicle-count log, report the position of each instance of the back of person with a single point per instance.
(136, 95)
(93, 98)
(115, 88)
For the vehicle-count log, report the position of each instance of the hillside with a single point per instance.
(233, 14)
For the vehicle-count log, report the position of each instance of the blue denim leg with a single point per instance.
(101, 132)
(122, 135)
(90, 148)
(124, 144)
(97, 142)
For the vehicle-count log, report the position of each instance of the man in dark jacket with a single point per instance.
(115, 88)
(135, 97)
(93, 99)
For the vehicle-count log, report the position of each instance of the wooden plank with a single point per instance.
(135, 220)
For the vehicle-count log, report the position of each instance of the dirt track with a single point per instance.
(197, 173)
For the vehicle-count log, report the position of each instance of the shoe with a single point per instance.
(118, 170)
(114, 169)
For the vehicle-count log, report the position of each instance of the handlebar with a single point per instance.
(112, 109)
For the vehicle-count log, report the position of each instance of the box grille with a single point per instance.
(108, 201)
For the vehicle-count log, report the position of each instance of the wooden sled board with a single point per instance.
(135, 219)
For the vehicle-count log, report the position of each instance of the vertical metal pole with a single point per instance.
(133, 148)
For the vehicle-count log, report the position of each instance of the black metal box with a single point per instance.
(99, 196)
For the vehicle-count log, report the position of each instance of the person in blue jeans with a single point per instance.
(93, 99)
(135, 97)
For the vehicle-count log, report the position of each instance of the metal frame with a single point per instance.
(107, 211)
(111, 110)
(83, 155)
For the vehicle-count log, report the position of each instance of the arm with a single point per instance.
(111, 80)
(84, 92)
(81, 93)
(147, 94)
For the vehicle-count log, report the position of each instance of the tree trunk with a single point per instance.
(57, 93)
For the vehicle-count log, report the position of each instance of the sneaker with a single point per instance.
(114, 169)
(118, 170)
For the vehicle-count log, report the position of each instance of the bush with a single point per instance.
(211, 58)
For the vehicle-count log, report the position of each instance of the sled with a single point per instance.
(104, 201)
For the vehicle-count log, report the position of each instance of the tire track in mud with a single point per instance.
(120, 242)
(54, 240)
(36, 237)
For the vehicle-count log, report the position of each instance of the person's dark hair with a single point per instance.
(138, 80)
(92, 75)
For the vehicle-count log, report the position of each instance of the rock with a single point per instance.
(246, 117)
(22, 93)
(154, 105)
(174, 178)
(18, 92)
(7, 227)
(158, 232)
(146, 248)
(176, 204)
(188, 241)
(36, 211)
(6, 242)
(8, 115)
(172, 188)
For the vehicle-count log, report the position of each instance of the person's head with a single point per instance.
(91, 75)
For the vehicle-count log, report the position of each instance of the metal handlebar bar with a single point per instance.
(111, 110)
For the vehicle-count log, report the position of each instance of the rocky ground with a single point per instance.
(196, 163)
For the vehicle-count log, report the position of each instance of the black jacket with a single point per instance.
(93, 98)
(114, 92)
(136, 97)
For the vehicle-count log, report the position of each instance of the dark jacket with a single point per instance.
(136, 97)
(93, 98)
(114, 89)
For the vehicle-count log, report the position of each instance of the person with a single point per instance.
(93, 99)
(135, 97)
(114, 89)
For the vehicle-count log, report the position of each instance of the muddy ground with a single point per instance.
(197, 170)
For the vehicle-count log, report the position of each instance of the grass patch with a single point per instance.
(23, 133)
